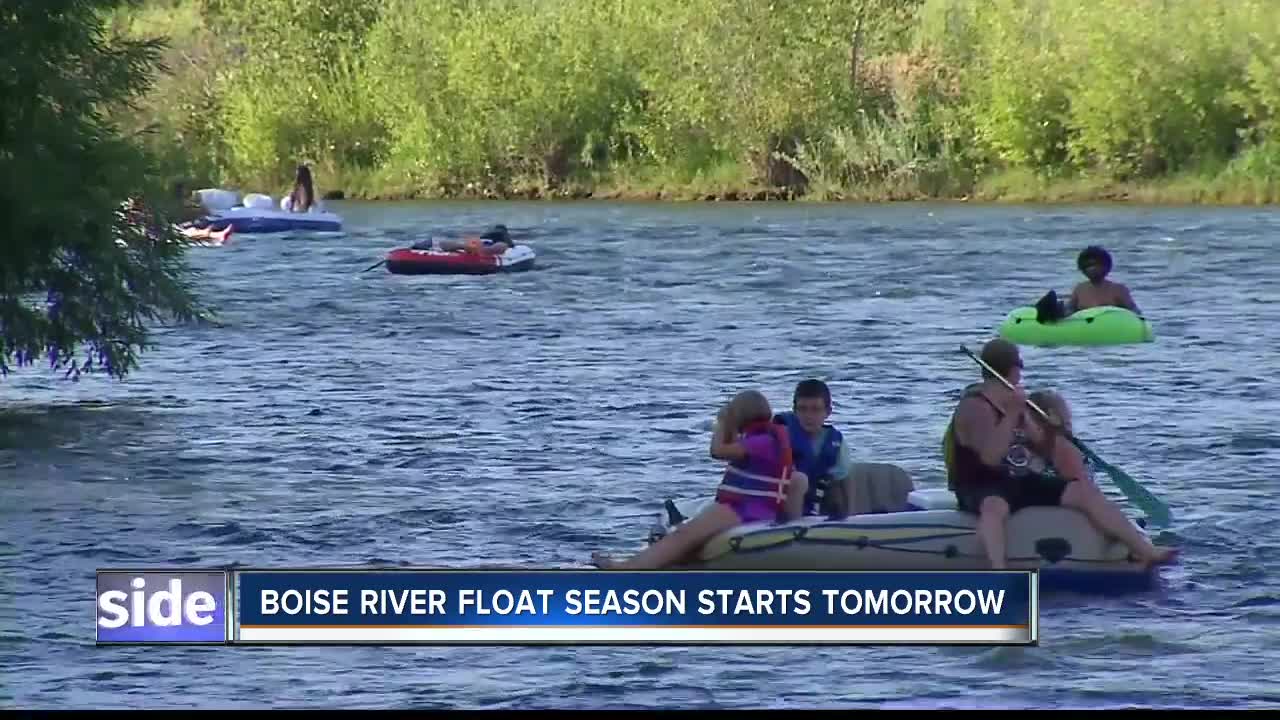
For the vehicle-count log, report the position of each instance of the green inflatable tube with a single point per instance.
(1094, 326)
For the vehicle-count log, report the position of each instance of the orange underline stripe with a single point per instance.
(638, 627)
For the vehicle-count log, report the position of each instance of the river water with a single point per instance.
(340, 417)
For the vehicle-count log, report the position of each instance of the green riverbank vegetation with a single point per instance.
(1022, 100)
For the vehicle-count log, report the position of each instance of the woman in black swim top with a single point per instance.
(1000, 460)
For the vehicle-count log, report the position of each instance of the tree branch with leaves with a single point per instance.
(89, 255)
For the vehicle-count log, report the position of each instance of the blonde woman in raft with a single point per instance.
(1073, 464)
(759, 484)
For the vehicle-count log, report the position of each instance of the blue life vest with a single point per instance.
(816, 466)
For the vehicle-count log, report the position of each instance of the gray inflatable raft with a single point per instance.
(901, 528)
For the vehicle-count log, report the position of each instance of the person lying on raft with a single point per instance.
(495, 241)
(207, 232)
(137, 213)
(819, 450)
(1097, 291)
(208, 236)
(759, 484)
(1001, 458)
(192, 221)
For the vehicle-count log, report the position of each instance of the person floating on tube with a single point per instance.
(494, 241)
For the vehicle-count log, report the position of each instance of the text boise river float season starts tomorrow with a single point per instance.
(518, 607)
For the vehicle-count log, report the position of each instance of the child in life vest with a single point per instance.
(759, 484)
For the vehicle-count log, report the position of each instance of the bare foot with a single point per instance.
(1159, 555)
(1163, 555)
(604, 562)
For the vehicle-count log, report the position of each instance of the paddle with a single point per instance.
(415, 246)
(1142, 498)
(674, 516)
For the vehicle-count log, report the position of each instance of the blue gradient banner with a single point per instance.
(585, 606)
(161, 606)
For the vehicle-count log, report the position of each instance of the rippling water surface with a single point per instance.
(340, 417)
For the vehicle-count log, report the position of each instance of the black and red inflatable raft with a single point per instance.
(410, 261)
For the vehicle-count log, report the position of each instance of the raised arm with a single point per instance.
(723, 441)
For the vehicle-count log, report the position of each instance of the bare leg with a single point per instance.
(216, 237)
(796, 489)
(684, 539)
(1109, 518)
(992, 515)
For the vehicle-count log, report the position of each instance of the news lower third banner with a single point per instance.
(566, 607)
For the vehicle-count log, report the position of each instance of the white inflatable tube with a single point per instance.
(258, 201)
(217, 199)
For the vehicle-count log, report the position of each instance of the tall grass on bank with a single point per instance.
(826, 99)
